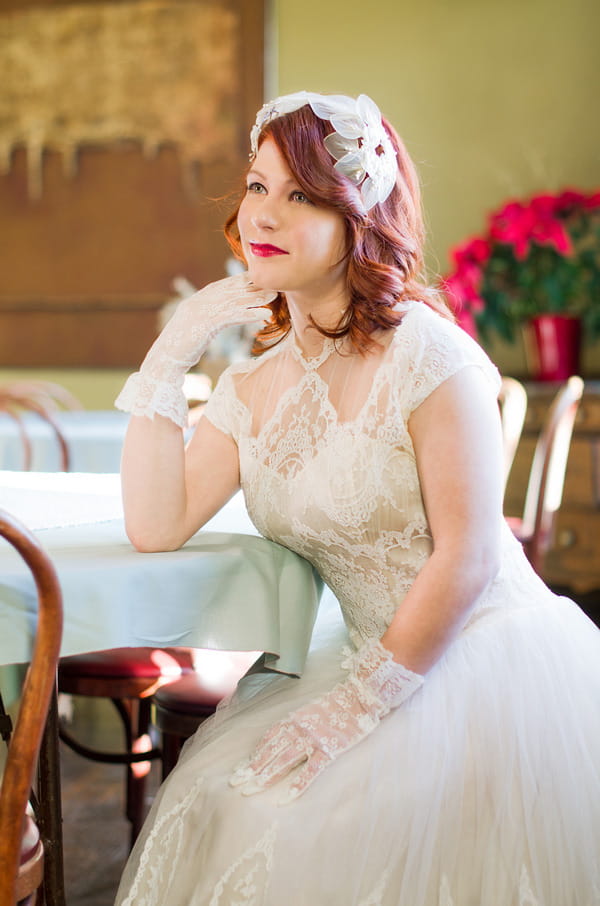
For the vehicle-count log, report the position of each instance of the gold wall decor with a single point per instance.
(157, 72)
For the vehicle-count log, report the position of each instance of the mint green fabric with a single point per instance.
(221, 590)
(227, 588)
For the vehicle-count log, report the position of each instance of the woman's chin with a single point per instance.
(260, 282)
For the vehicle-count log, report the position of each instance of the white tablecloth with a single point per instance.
(226, 588)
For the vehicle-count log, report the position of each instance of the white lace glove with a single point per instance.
(157, 388)
(317, 733)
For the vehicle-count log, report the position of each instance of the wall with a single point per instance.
(105, 198)
(493, 97)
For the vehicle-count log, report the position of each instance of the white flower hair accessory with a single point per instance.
(360, 145)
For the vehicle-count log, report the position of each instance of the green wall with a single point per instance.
(494, 98)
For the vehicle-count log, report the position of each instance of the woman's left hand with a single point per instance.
(315, 734)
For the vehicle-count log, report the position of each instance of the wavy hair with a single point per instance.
(385, 246)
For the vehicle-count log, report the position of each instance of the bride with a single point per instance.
(441, 746)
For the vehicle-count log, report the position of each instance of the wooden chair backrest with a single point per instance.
(548, 469)
(14, 400)
(49, 395)
(37, 689)
(14, 411)
(513, 407)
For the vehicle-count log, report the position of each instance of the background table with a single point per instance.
(94, 438)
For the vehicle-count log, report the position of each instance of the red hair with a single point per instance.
(385, 257)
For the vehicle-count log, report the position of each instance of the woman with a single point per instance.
(441, 749)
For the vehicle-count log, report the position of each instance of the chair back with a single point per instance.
(513, 407)
(16, 399)
(24, 744)
(51, 396)
(548, 469)
(12, 410)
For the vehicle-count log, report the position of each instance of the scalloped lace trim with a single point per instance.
(147, 396)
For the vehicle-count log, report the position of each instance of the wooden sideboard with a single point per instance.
(574, 559)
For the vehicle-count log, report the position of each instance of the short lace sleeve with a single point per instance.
(430, 349)
(223, 408)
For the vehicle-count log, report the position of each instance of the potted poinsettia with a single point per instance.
(537, 265)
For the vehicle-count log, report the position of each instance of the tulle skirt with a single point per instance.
(483, 789)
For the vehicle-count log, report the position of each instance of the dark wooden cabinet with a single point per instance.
(574, 558)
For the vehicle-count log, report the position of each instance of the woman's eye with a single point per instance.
(301, 197)
(255, 187)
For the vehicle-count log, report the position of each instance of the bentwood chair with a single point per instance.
(9, 407)
(21, 847)
(513, 407)
(127, 677)
(18, 398)
(547, 475)
(178, 708)
(49, 395)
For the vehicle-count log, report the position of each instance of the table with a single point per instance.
(226, 588)
(94, 438)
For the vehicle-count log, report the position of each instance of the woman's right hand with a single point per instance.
(157, 388)
(197, 319)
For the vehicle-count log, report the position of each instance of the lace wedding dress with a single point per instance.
(483, 789)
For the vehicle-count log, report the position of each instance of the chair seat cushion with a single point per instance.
(30, 841)
(149, 663)
(31, 863)
(216, 676)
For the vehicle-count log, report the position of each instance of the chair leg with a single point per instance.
(50, 809)
(138, 753)
(135, 716)
(171, 747)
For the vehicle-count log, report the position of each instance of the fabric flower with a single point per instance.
(363, 151)
(360, 145)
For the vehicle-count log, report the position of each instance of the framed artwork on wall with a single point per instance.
(123, 136)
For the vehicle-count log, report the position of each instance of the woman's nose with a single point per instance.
(266, 216)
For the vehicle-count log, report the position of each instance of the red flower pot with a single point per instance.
(554, 347)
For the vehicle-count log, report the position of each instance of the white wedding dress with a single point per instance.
(483, 789)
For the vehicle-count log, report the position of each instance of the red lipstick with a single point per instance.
(263, 250)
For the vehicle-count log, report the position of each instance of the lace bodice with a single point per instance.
(326, 460)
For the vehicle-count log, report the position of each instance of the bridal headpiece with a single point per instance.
(360, 145)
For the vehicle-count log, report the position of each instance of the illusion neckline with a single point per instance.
(311, 362)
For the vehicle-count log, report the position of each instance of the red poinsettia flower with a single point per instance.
(538, 255)
(569, 199)
(592, 202)
(519, 225)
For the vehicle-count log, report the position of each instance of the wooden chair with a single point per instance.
(15, 400)
(21, 848)
(49, 395)
(513, 407)
(10, 408)
(127, 677)
(547, 474)
(178, 708)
